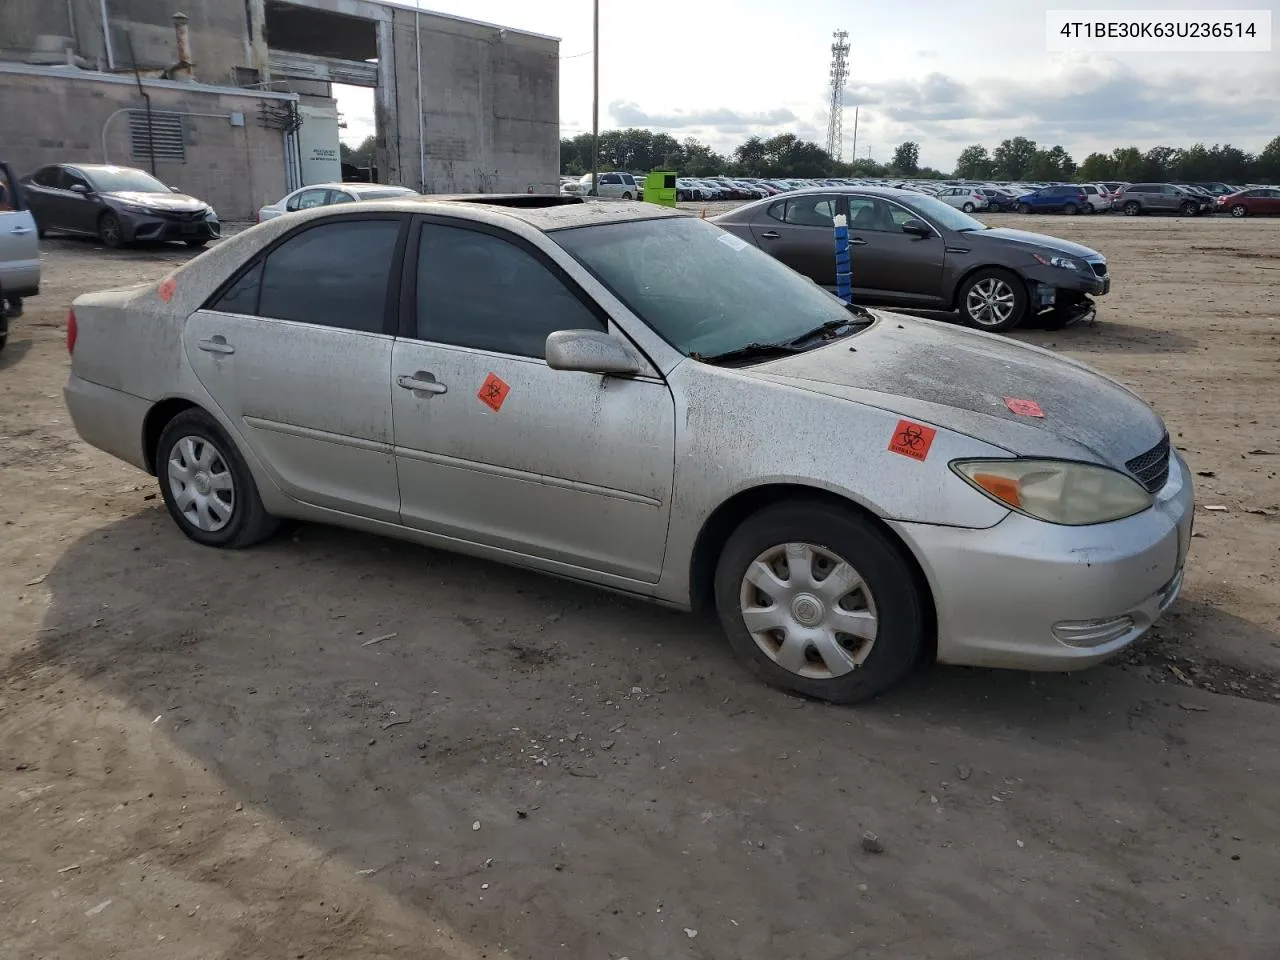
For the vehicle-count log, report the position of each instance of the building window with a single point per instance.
(168, 136)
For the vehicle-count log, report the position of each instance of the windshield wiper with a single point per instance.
(752, 351)
(834, 329)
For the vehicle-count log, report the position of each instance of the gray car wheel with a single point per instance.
(110, 232)
(818, 601)
(1239, 210)
(1132, 208)
(968, 207)
(1070, 209)
(994, 300)
(206, 485)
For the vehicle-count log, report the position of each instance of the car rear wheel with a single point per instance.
(994, 300)
(1132, 208)
(968, 207)
(627, 195)
(1239, 210)
(207, 486)
(1070, 209)
(1024, 208)
(109, 230)
(196, 244)
(1189, 209)
(818, 601)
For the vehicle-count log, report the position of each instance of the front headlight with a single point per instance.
(1056, 491)
(1065, 263)
(132, 207)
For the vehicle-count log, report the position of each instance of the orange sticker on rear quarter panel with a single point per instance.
(168, 287)
(493, 392)
(912, 440)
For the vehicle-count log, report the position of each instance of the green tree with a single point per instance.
(1097, 166)
(361, 156)
(974, 163)
(906, 158)
(1128, 163)
(1013, 158)
(1267, 164)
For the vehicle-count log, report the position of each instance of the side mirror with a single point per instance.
(79, 188)
(917, 228)
(175, 189)
(591, 351)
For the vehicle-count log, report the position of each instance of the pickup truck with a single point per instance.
(19, 251)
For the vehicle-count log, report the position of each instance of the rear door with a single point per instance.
(19, 246)
(296, 351)
(800, 232)
(493, 446)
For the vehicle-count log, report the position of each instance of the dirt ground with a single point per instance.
(206, 755)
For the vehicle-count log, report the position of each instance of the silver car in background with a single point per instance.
(852, 492)
(19, 251)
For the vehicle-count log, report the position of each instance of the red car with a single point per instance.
(1259, 201)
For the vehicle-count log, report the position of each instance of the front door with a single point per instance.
(19, 249)
(887, 263)
(493, 446)
(297, 354)
(77, 208)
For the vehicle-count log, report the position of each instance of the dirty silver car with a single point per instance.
(632, 398)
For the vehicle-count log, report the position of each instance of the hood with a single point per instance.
(175, 202)
(1055, 244)
(959, 379)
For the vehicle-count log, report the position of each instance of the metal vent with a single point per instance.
(168, 135)
(1152, 468)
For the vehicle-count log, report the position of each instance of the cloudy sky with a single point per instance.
(943, 74)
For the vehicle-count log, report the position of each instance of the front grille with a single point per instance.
(1099, 268)
(1152, 468)
(183, 216)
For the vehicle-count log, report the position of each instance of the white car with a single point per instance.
(324, 194)
(1100, 197)
(967, 199)
(619, 186)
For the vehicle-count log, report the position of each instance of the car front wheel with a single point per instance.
(1070, 209)
(1132, 209)
(1190, 209)
(110, 232)
(817, 600)
(207, 486)
(994, 300)
(968, 208)
(1239, 210)
(1024, 208)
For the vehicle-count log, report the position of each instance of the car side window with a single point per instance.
(867, 213)
(815, 211)
(242, 296)
(71, 179)
(46, 177)
(778, 211)
(900, 215)
(482, 292)
(8, 192)
(306, 200)
(333, 275)
(339, 196)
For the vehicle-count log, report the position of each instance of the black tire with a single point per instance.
(1189, 209)
(109, 231)
(967, 207)
(1239, 210)
(627, 195)
(1132, 208)
(1021, 300)
(196, 244)
(248, 521)
(4, 338)
(1024, 208)
(900, 605)
(1070, 209)
(41, 232)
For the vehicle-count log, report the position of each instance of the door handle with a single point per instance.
(421, 382)
(857, 242)
(770, 235)
(21, 231)
(216, 344)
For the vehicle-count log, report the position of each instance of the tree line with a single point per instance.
(1016, 158)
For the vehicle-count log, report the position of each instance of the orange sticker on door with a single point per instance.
(912, 440)
(493, 392)
(168, 287)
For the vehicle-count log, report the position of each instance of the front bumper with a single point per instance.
(1080, 281)
(1008, 595)
(149, 227)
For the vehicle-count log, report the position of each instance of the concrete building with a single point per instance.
(240, 93)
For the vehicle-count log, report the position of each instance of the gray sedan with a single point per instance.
(852, 492)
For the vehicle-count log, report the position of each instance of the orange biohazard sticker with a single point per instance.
(912, 440)
(1024, 408)
(493, 392)
(167, 288)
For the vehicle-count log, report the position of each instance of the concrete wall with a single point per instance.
(50, 118)
(490, 102)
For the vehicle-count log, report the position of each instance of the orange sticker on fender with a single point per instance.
(493, 392)
(912, 440)
(167, 289)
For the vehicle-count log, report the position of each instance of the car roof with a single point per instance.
(543, 212)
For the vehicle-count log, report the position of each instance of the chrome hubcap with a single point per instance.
(990, 301)
(808, 610)
(201, 483)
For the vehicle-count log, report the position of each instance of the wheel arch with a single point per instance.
(953, 298)
(733, 512)
(156, 420)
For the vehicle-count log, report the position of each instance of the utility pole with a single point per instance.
(855, 132)
(595, 99)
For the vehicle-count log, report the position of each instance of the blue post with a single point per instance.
(844, 270)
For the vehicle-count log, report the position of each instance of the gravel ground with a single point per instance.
(204, 755)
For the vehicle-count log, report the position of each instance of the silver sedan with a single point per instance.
(636, 399)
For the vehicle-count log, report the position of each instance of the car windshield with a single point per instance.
(945, 215)
(702, 289)
(124, 180)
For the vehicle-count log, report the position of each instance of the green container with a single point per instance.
(660, 188)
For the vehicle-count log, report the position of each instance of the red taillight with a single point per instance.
(72, 331)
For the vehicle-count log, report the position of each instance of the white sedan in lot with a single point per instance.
(326, 194)
(851, 491)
